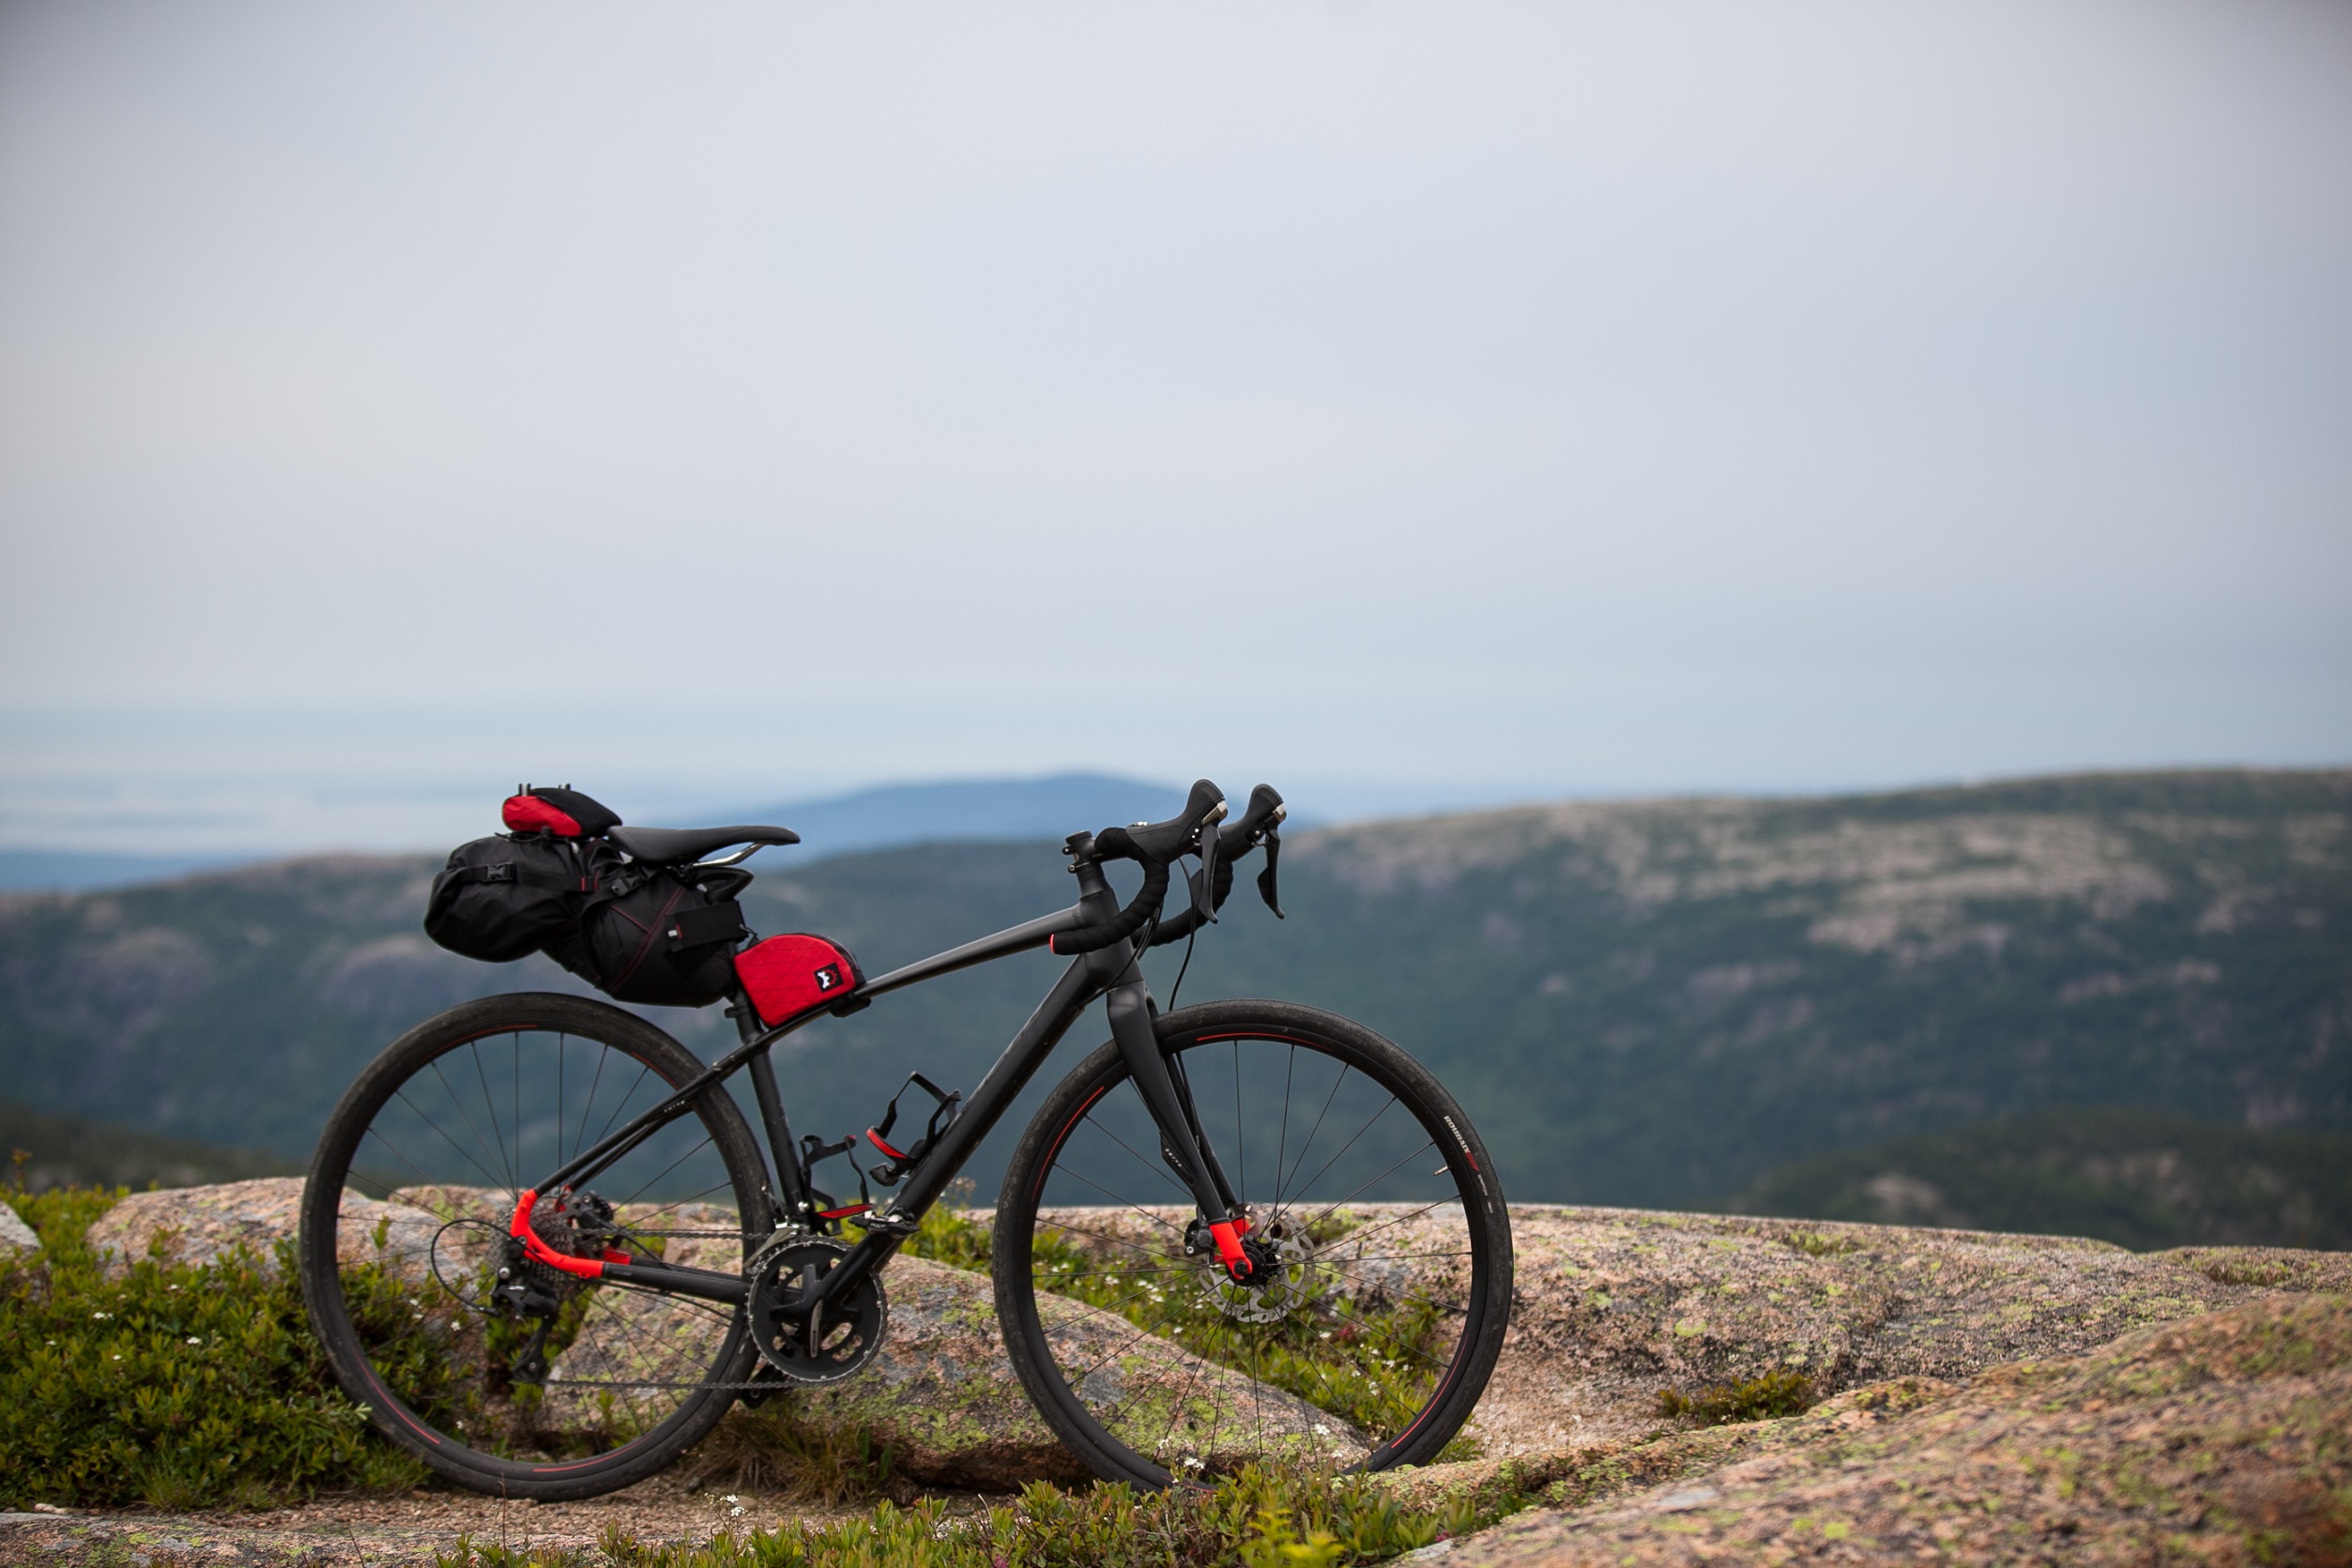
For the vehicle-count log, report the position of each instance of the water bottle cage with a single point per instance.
(813, 1149)
(899, 1162)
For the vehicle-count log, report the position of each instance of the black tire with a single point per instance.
(396, 1285)
(1130, 1347)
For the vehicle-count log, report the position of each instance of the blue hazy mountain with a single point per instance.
(1052, 807)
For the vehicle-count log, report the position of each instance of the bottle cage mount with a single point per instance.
(943, 1113)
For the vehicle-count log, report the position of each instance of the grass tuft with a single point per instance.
(772, 1449)
(1775, 1394)
(1272, 1517)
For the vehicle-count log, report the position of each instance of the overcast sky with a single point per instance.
(737, 400)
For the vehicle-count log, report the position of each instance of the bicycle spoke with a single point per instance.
(1159, 1170)
(489, 1110)
(1281, 1184)
(1353, 1141)
(488, 1175)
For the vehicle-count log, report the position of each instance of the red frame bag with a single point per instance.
(786, 976)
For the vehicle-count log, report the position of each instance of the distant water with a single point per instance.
(67, 871)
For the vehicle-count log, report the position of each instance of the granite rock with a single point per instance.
(200, 1225)
(2225, 1438)
(16, 1237)
(1613, 1304)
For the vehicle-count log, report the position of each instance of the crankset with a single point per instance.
(813, 1345)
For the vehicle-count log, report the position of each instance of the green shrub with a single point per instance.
(1775, 1394)
(177, 1386)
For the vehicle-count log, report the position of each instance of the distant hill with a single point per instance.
(976, 810)
(1645, 1002)
(64, 1151)
(2140, 1178)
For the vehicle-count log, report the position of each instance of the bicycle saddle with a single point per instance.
(669, 845)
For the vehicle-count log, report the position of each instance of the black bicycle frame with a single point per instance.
(1113, 971)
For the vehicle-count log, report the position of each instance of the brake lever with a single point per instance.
(1266, 877)
(1204, 884)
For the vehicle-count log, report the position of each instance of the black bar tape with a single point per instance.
(1089, 938)
(1189, 921)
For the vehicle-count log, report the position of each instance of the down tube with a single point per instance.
(1070, 997)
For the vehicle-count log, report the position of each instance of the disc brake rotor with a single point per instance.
(839, 1337)
(1284, 1282)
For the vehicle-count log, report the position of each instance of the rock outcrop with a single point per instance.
(1613, 1304)
(2227, 1438)
(1987, 1397)
(16, 1237)
(199, 1225)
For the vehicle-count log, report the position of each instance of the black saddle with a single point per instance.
(669, 846)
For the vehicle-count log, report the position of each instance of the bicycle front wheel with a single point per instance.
(591, 1385)
(1365, 1339)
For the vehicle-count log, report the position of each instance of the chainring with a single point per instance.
(848, 1332)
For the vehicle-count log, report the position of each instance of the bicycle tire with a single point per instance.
(1417, 1399)
(418, 1384)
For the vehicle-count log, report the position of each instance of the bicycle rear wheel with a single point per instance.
(414, 1184)
(1380, 1309)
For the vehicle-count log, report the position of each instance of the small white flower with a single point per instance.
(1321, 1431)
(734, 1512)
(193, 1340)
(730, 1497)
(118, 1357)
(1194, 1463)
(101, 1316)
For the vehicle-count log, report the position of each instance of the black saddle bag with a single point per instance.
(508, 895)
(658, 937)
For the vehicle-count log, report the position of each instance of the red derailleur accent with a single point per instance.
(535, 1246)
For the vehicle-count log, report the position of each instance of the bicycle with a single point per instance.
(1339, 1295)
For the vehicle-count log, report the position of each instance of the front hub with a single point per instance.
(1281, 1273)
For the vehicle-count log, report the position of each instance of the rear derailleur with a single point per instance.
(578, 1224)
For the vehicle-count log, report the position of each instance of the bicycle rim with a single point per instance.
(418, 1177)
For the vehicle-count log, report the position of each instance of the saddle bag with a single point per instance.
(506, 895)
(658, 937)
